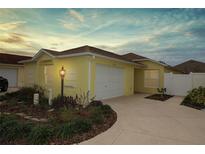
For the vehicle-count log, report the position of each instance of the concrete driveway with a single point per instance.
(144, 121)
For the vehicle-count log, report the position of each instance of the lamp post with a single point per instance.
(62, 75)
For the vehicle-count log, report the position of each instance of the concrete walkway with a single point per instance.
(144, 121)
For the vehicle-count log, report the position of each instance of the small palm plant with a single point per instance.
(162, 91)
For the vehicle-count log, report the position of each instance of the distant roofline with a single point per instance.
(188, 61)
(15, 54)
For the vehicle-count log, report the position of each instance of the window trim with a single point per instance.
(156, 79)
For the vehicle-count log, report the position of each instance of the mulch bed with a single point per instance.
(43, 113)
(159, 97)
(194, 105)
(28, 109)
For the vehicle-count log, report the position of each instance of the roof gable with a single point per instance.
(132, 56)
(191, 66)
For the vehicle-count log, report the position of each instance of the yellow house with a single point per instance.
(150, 77)
(104, 74)
(12, 70)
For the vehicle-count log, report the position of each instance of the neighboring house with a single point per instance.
(150, 77)
(11, 69)
(191, 66)
(104, 74)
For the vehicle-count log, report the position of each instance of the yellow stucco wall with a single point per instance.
(20, 72)
(75, 80)
(139, 77)
(30, 76)
(77, 74)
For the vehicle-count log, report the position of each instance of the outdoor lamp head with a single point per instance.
(62, 72)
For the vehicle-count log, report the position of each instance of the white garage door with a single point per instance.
(10, 75)
(109, 82)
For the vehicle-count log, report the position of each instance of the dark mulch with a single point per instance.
(193, 105)
(159, 97)
(28, 109)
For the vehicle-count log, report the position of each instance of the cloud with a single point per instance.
(16, 51)
(76, 15)
(11, 25)
(13, 38)
(70, 26)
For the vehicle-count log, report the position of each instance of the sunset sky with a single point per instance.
(169, 35)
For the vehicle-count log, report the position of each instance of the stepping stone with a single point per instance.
(7, 113)
(27, 117)
(51, 110)
(43, 120)
(34, 119)
(20, 114)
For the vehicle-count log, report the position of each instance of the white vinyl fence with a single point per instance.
(180, 84)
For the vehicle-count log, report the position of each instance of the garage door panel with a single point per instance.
(109, 82)
(10, 75)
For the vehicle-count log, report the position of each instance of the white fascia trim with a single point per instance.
(150, 60)
(89, 75)
(74, 55)
(110, 58)
(36, 56)
(94, 54)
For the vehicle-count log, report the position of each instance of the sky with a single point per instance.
(169, 35)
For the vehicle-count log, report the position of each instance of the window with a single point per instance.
(48, 76)
(151, 78)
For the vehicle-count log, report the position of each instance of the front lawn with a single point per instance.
(65, 122)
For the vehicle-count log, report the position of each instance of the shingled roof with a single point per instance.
(132, 56)
(82, 50)
(85, 49)
(191, 66)
(12, 59)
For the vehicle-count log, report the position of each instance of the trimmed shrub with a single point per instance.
(11, 129)
(25, 94)
(65, 131)
(81, 125)
(96, 103)
(106, 109)
(66, 114)
(68, 102)
(76, 126)
(195, 97)
(97, 118)
(40, 134)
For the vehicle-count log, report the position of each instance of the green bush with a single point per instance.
(97, 118)
(195, 96)
(76, 126)
(65, 131)
(66, 114)
(106, 109)
(40, 134)
(81, 125)
(25, 94)
(68, 102)
(11, 129)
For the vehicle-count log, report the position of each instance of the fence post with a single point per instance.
(191, 76)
